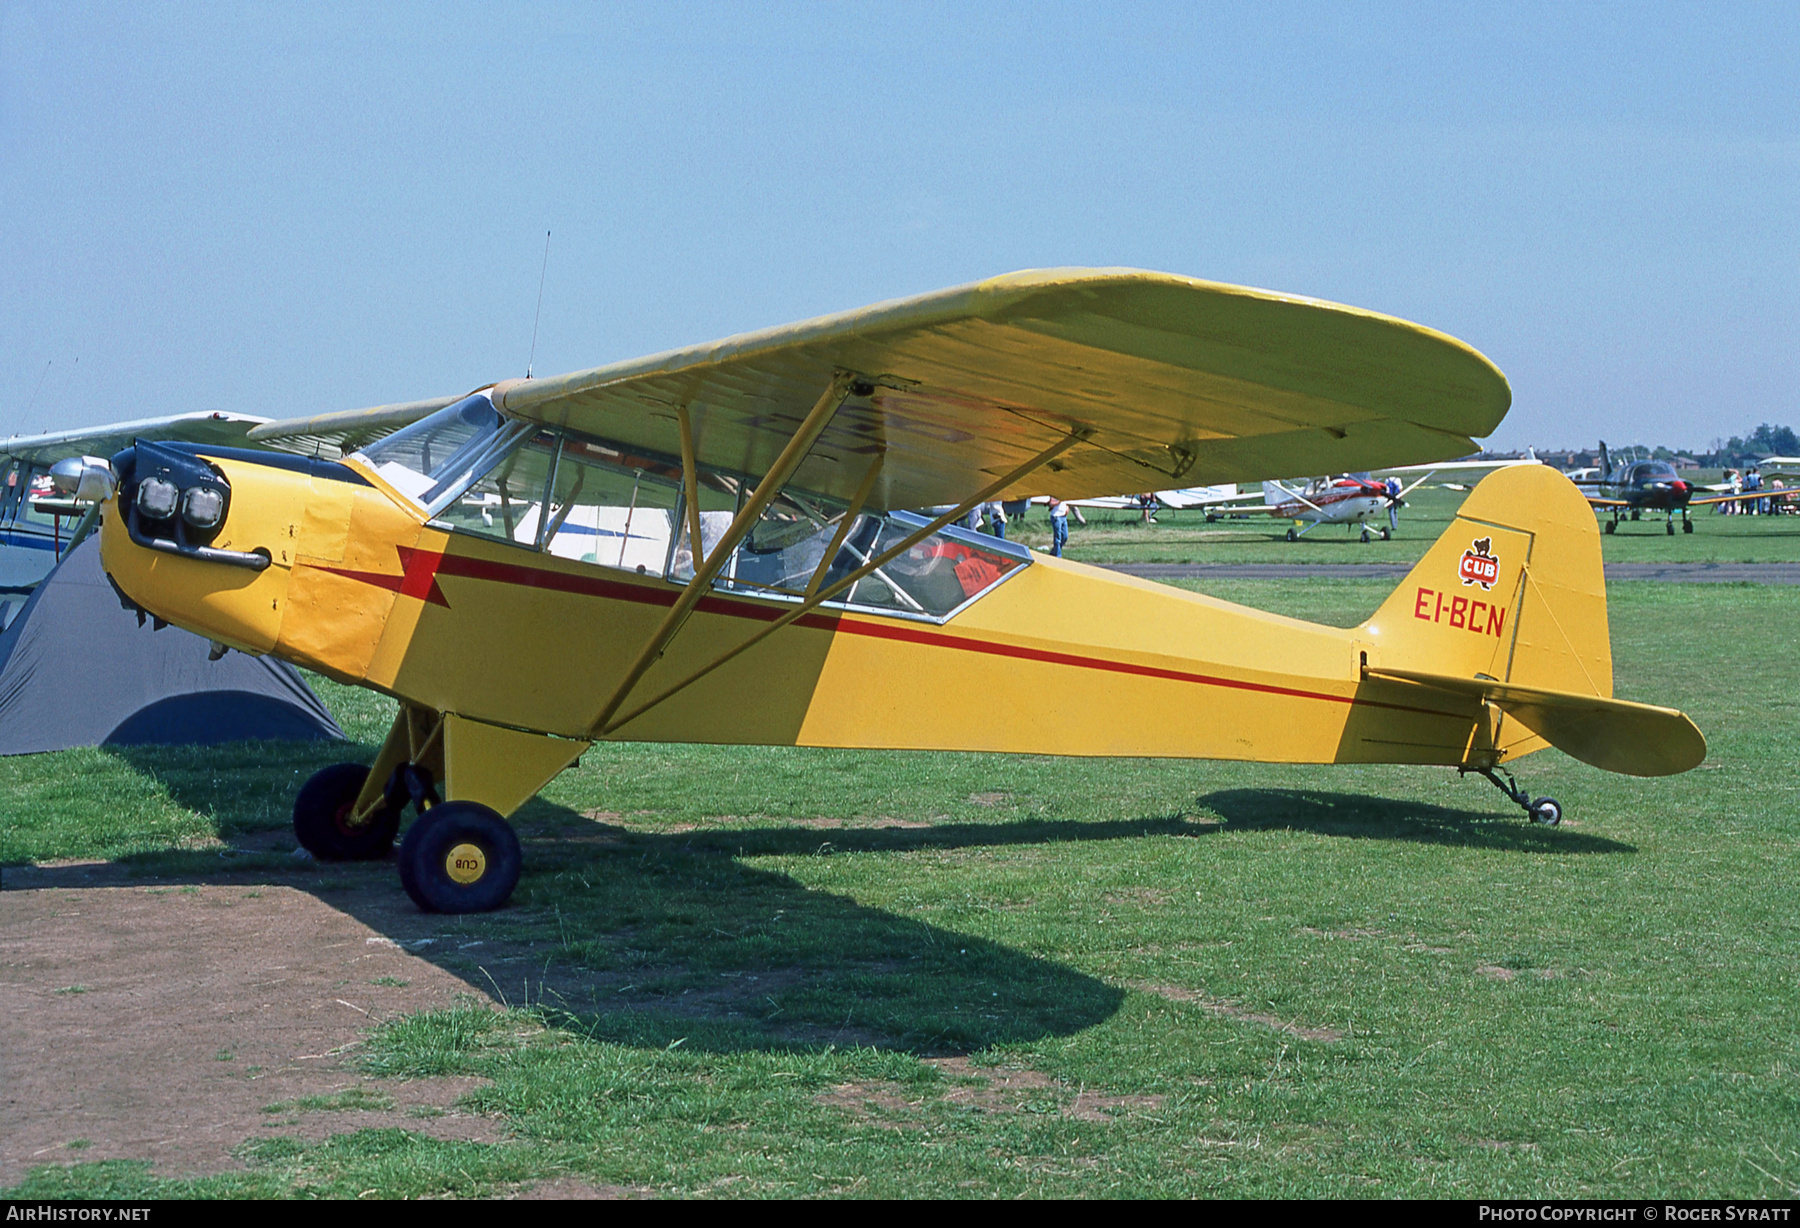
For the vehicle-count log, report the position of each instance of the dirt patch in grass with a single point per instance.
(1238, 1013)
(574, 1188)
(1142, 897)
(200, 1007)
(983, 1089)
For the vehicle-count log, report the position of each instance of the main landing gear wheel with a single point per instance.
(322, 817)
(1671, 528)
(460, 857)
(1546, 811)
(1387, 535)
(1612, 526)
(1365, 536)
(1687, 526)
(1293, 536)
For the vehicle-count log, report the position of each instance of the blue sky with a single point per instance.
(287, 209)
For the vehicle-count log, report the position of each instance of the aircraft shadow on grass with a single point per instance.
(1378, 818)
(654, 938)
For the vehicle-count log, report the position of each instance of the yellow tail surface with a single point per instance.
(1509, 606)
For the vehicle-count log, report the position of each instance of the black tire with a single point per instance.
(1365, 537)
(1546, 811)
(1687, 526)
(1612, 526)
(1293, 536)
(460, 834)
(1671, 530)
(1386, 536)
(321, 808)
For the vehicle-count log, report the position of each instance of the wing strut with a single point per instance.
(704, 572)
(602, 727)
(690, 481)
(863, 490)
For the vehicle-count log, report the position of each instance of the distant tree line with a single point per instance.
(1765, 440)
(1734, 453)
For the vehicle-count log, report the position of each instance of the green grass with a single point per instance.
(1186, 537)
(751, 971)
(351, 1099)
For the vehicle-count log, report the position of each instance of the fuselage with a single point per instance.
(1347, 500)
(532, 625)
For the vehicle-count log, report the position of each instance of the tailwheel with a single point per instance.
(460, 857)
(1543, 810)
(324, 808)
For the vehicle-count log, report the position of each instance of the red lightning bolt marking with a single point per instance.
(417, 578)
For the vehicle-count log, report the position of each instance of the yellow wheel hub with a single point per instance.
(465, 863)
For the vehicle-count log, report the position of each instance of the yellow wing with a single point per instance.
(1181, 382)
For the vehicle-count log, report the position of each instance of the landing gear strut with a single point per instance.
(1544, 810)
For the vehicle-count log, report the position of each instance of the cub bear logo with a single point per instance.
(1479, 566)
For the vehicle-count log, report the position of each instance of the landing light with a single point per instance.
(156, 498)
(201, 507)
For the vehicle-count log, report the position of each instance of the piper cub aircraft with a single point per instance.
(714, 545)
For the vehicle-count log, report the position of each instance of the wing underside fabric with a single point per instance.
(1179, 382)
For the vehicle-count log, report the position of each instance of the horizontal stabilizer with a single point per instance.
(1614, 734)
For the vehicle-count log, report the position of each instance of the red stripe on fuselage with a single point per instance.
(467, 568)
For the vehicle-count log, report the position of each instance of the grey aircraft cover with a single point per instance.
(77, 669)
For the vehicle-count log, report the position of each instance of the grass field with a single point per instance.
(1183, 537)
(781, 972)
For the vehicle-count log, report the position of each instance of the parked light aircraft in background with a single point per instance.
(40, 505)
(1632, 487)
(1349, 499)
(711, 545)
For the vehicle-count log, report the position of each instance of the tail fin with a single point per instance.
(1512, 591)
(1509, 606)
(1605, 461)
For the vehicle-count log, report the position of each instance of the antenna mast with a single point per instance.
(532, 361)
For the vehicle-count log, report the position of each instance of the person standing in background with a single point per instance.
(1059, 526)
(996, 518)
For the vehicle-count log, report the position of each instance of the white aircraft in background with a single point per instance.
(43, 507)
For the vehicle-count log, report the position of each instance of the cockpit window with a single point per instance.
(604, 503)
(435, 458)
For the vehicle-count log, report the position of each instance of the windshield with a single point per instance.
(435, 457)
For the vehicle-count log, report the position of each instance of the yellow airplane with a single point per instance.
(713, 545)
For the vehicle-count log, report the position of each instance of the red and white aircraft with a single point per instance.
(1351, 498)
